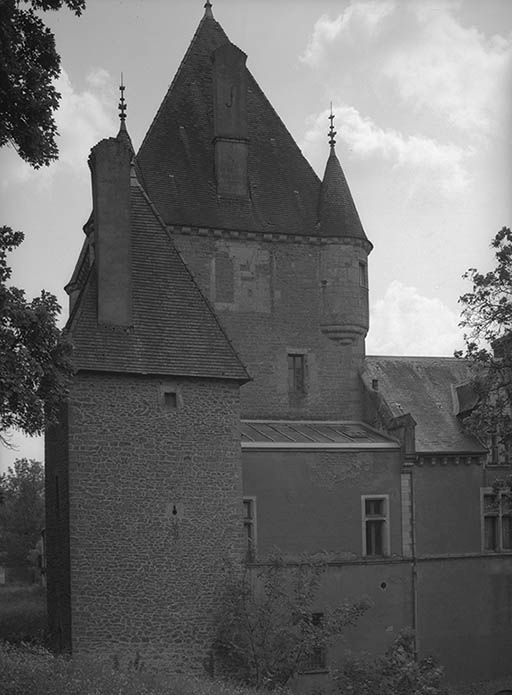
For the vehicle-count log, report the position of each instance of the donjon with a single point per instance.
(223, 405)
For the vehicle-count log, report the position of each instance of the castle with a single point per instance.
(223, 404)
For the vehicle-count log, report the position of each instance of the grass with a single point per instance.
(27, 668)
(23, 613)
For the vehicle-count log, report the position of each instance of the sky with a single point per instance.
(421, 91)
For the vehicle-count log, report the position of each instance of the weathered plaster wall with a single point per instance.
(309, 501)
(155, 513)
(447, 508)
(270, 299)
(465, 615)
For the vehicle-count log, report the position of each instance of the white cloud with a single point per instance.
(444, 163)
(360, 20)
(452, 70)
(421, 55)
(404, 322)
(83, 118)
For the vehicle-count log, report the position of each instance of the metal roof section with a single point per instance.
(312, 434)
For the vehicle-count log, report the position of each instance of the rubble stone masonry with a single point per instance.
(154, 515)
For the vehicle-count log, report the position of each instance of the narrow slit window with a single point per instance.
(363, 274)
(249, 509)
(297, 373)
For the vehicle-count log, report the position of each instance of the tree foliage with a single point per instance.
(21, 509)
(398, 672)
(487, 322)
(269, 626)
(35, 362)
(29, 64)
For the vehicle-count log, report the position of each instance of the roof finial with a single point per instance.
(208, 9)
(122, 103)
(332, 132)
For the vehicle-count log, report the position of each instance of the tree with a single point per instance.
(395, 673)
(21, 509)
(29, 64)
(268, 628)
(487, 321)
(35, 365)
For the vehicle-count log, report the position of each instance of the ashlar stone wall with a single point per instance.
(273, 297)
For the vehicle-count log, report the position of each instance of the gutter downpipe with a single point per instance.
(414, 573)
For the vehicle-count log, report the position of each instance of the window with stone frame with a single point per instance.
(375, 525)
(297, 373)
(316, 659)
(496, 511)
(249, 506)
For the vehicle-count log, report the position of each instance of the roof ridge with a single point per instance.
(415, 357)
(212, 311)
(177, 75)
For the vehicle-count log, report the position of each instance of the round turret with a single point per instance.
(344, 261)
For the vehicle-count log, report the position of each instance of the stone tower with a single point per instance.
(215, 247)
(143, 474)
(281, 255)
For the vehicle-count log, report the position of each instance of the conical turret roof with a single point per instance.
(337, 214)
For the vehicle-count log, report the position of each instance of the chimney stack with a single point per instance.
(110, 162)
(230, 121)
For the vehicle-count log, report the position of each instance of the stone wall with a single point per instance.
(155, 515)
(270, 299)
(57, 534)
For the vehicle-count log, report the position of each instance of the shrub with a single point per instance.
(266, 629)
(23, 613)
(395, 673)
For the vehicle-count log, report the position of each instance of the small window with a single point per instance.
(316, 660)
(249, 504)
(170, 400)
(375, 525)
(363, 274)
(297, 373)
(496, 521)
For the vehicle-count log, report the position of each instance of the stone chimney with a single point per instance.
(230, 121)
(109, 162)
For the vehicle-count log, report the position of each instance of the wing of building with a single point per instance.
(223, 405)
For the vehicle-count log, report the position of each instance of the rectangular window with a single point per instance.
(375, 516)
(297, 373)
(249, 504)
(496, 521)
(316, 660)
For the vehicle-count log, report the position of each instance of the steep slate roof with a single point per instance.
(176, 158)
(423, 387)
(175, 332)
(337, 213)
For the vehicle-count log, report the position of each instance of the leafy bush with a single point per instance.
(268, 627)
(28, 670)
(395, 673)
(22, 613)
